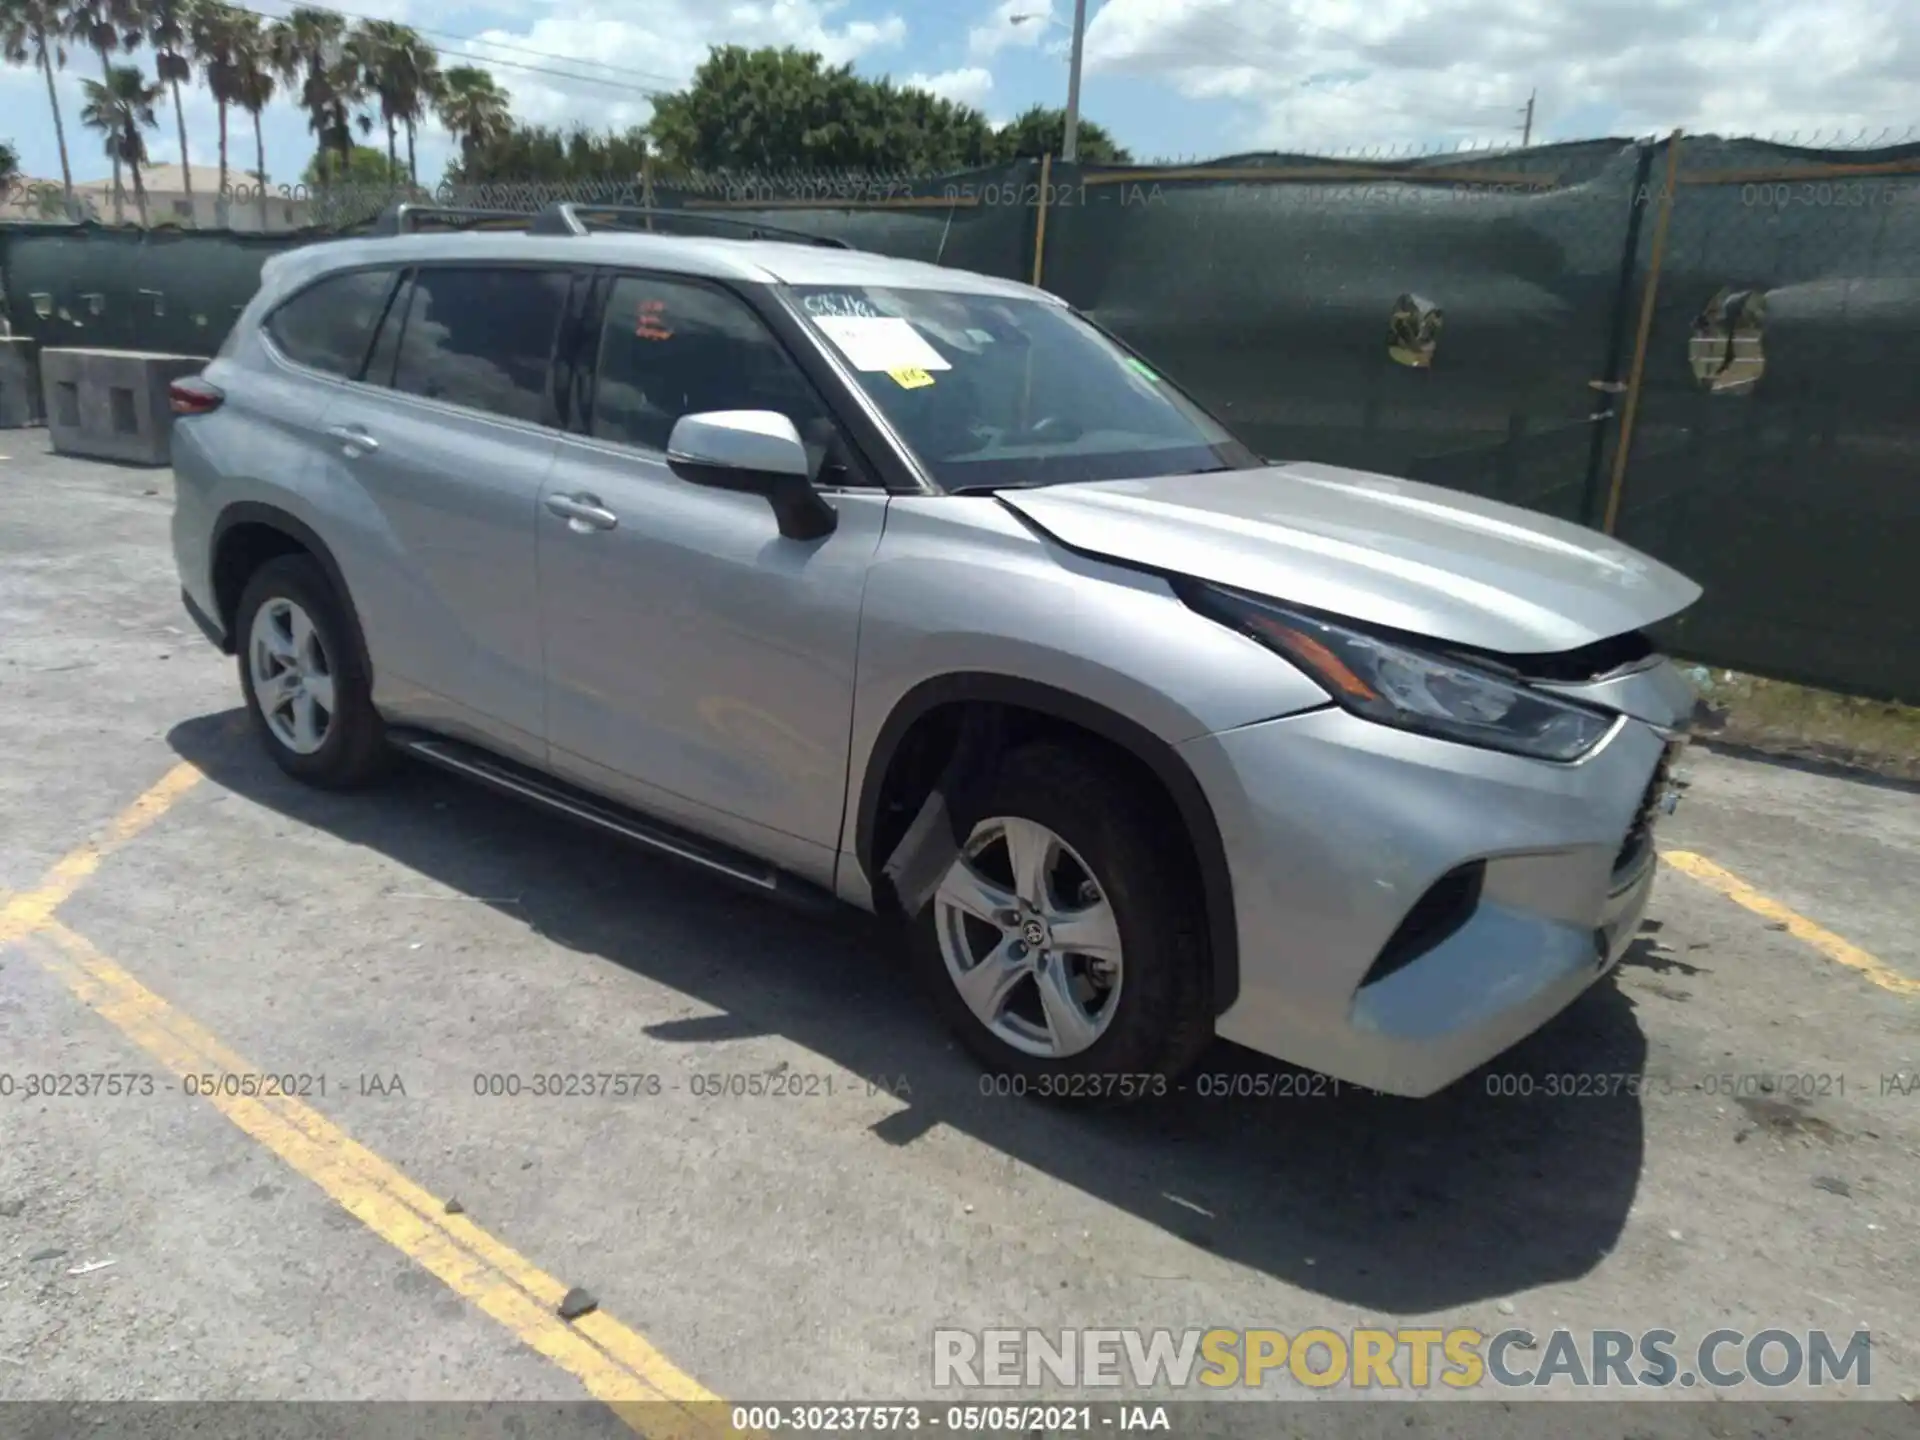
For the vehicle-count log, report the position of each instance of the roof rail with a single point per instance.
(569, 218)
(408, 218)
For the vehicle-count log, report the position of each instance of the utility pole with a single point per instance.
(1526, 130)
(1070, 147)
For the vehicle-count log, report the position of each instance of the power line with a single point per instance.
(520, 49)
(519, 65)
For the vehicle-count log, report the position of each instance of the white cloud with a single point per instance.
(601, 62)
(596, 63)
(1336, 73)
(1011, 23)
(968, 86)
(864, 35)
(1296, 74)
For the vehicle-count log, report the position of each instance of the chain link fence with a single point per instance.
(1705, 345)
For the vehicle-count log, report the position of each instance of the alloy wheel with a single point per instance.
(292, 675)
(1029, 938)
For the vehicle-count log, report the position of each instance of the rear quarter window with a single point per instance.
(481, 336)
(329, 325)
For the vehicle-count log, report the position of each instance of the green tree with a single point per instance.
(365, 167)
(122, 110)
(538, 152)
(9, 169)
(1041, 130)
(402, 73)
(309, 49)
(786, 109)
(31, 33)
(169, 35)
(474, 108)
(107, 27)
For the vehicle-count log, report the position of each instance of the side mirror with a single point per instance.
(757, 451)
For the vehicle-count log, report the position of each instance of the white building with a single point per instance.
(287, 207)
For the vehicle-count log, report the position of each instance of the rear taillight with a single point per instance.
(191, 395)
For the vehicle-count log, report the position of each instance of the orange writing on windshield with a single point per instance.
(650, 323)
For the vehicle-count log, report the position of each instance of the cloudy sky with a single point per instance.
(1169, 77)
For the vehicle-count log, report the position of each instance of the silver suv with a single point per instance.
(860, 580)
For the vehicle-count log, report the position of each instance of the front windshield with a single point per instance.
(992, 392)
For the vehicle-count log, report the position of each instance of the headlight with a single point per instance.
(1388, 682)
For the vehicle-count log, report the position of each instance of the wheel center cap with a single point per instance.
(1034, 933)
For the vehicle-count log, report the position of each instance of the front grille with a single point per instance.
(1640, 833)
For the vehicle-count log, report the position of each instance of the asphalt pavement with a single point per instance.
(803, 1181)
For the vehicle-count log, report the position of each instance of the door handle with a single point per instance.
(582, 512)
(355, 440)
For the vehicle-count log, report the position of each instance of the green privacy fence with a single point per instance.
(179, 289)
(1745, 316)
(1775, 454)
(1271, 289)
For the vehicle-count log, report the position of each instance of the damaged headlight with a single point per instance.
(1391, 683)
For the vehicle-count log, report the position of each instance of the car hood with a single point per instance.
(1394, 553)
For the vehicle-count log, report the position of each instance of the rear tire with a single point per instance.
(308, 693)
(1112, 881)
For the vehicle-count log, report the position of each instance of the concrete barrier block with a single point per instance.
(19, 383)
(112, 404)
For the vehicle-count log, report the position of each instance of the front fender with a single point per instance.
(966, 603)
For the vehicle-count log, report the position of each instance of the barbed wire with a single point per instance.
(1705, 159)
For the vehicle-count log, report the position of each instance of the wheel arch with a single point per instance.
(959, 693)
(247, 534)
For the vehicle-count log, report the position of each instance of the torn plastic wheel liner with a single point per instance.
(956, 804)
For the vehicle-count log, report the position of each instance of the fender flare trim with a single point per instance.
(254, 512)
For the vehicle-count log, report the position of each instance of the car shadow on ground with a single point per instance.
(1392, 1205)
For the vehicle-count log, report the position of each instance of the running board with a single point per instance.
(523, 783)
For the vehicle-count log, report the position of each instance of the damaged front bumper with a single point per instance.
(1533, 877)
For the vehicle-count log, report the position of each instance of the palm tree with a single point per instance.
(473, 107)
(309, 49)
(169, 31)
(31, 34)
(122, 110)
(212, 32)
(402, 71)
(107, 27)
(252, 76)
(419, 90)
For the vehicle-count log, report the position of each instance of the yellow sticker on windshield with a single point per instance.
(910, 379)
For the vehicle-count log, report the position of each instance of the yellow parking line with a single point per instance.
(24, 913)
(615, 1364)
(1843, 952)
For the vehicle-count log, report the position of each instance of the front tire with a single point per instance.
(1062, 946)
(307, 692)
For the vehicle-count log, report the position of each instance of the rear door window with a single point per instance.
(482, 337)
(330, 324)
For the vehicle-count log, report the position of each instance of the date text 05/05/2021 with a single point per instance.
(1052, 1418)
